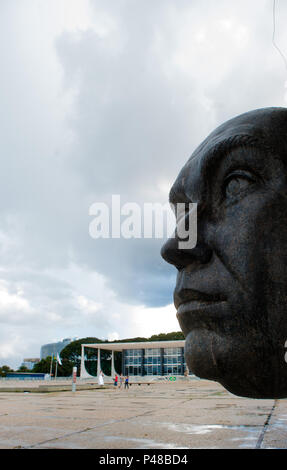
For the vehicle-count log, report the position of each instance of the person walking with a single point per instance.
(101, 378)
(121, 380)
(127, 382)
(116, 381)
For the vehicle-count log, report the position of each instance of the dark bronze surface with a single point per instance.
(231, 289)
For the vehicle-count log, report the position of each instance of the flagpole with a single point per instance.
(51, 365)
(56, 369)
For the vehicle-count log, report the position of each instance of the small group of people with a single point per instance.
(118, 381)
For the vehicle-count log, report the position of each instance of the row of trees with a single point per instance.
(71, 356)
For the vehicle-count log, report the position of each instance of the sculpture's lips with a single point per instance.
(202, 311)
(190, 296)
(195, 305)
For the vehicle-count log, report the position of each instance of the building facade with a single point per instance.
(150, 358)
(26, 376)
(52, 349)
(30, 362)
(154, 361)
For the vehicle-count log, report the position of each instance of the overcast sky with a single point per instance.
(107, 97)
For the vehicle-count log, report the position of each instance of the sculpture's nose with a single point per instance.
(181, 258)
(181, 255)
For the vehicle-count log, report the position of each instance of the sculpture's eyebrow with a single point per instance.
(223, 147)
(216, 153)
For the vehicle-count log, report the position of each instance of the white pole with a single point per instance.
(51, 366)
(99, 363)
(74, 379)
(82, 361)
(113, 371)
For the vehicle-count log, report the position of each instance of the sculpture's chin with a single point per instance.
(242, 369)
(199, 355)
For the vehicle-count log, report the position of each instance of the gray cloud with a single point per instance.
(116, 107)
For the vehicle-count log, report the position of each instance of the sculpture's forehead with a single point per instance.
(225, 137)
(257, 128)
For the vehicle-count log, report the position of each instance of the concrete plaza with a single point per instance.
(184, 414)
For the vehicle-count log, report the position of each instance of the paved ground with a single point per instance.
(175, 415)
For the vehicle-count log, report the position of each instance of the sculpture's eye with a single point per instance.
(237, 184)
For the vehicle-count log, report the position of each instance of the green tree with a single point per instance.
(43, 366)
(4, 370)
(64, 370)
(71, 356)
(173, 336)
(23, 369)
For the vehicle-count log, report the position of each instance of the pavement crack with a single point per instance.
(265, 427)
(114, 421)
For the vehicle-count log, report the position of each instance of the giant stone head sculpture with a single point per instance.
(231, 288)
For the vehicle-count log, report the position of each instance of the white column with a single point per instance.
(99, 362)
(83, 369)
(83, 373)
(113, 371)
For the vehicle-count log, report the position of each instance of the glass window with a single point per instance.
(152, 352)
(152, 370)
(173, 361)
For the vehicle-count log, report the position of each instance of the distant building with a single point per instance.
(54, 348)
(26, 375)
(149, 358)
(30, 362)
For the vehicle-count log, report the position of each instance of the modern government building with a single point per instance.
(52, 349)
(150, 358)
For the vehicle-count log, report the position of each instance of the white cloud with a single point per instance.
(114, 336)
(14, 307)
(10, 348)
(87, 306)
(150, 321)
